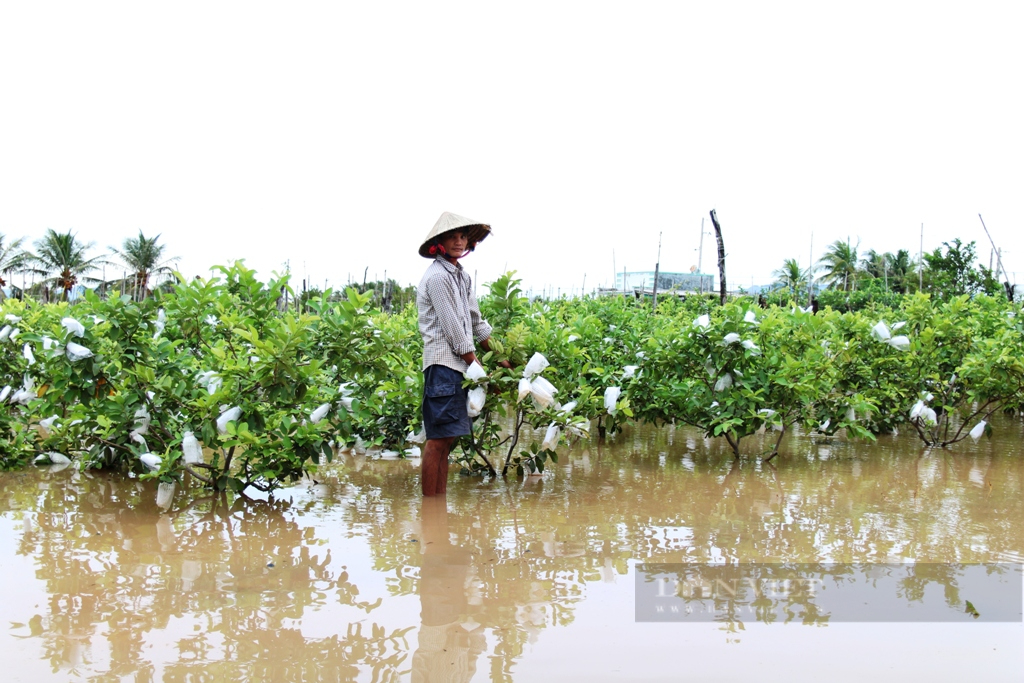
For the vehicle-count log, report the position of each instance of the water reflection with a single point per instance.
(449, 640)
(356, 577)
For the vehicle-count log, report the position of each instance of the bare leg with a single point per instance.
(434, 466)
(441, 487)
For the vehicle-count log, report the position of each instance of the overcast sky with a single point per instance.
(333, 134)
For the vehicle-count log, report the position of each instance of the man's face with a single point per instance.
(454, 243)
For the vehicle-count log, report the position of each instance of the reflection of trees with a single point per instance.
(116, 571)
(641, 496)
(239, 575)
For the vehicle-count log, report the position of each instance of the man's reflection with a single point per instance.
(448, 646)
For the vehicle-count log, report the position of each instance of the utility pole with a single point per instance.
(920, 261)
(999, 254)
(810, 272)
(287, 272)
(700, 255)
(657, 264)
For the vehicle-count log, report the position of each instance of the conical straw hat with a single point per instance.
(475, 230)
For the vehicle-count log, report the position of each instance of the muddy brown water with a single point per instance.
(355, 577)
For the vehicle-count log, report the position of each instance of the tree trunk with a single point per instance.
(721, 255)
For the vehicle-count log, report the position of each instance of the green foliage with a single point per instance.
(951, 272)
(870, 294)
(173, 364)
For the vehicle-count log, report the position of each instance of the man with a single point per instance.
(451, 326)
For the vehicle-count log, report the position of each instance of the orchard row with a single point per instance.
(214, 379)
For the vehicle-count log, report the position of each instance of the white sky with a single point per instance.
(333, 134)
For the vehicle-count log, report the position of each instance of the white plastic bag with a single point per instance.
(142, 420)
(543, 391)
(27, 352)
(978, 430)
(26, 393)
(724, 382)
(73, 326)
(881, 331)
(750, 345)
(320, 413)
(4, 393)
(211, 380)
(47, 424)
(58, 458)
(749, 317)
(76, 352)
(229, 415)
(524, 389)
(611, 397)
(164, 494)
(190, 449)
(731, 338)
(475, 372)
(418, 437)
(551, 437)
(5, 332)
(900, 343)
(537, 364)
(702, 321)
(151, 461)
(475, 401)
(568, 408)
(629, 371)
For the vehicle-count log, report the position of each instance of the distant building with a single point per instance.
(681, 282)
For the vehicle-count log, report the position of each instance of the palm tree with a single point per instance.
(791, 277)
(62, 259)
(875, 264)
(901, 272)
(142, 256)
(840, 265)
(12, 258)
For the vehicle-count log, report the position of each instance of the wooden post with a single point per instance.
(721, 256)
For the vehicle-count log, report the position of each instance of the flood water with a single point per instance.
(355, 577)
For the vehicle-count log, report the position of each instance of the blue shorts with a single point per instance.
(444, 403)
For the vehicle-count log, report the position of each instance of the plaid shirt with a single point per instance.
(449, 316)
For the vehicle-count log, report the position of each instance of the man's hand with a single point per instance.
(486, 344)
